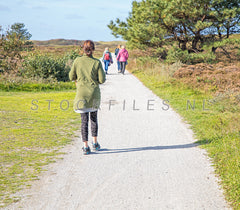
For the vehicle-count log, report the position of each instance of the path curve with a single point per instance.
(148, 160)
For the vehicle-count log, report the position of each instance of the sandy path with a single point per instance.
(148, 160)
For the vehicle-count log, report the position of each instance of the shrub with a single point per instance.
(195, 58)
(74, 54)
(176, 54)
(45, 67)
(238, 53)
(146, 62)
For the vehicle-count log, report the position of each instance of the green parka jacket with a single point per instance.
(89, 73)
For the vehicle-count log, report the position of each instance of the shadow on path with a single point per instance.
(181, 146)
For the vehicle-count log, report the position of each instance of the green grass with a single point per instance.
(16, 86)
(31, 134)
(216, 129)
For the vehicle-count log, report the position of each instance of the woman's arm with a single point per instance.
(101, 74)
(72, 73)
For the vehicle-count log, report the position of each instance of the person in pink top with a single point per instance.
(122, 57)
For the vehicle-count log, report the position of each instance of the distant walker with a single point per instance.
(122, 57)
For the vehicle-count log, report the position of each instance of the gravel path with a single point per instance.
(148, 160)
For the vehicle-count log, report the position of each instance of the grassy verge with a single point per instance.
(31, 134)
(36, 87)
(16, 84)
(214, 120)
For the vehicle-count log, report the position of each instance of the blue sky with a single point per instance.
(68, 19)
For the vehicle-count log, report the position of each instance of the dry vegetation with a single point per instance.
(56, 48)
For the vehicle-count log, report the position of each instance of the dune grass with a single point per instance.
(34, 126)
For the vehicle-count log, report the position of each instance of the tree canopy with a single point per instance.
(12, 43)
(189, 22)
(18, 30)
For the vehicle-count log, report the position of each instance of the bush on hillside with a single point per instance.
(43, 66)
(176, 54)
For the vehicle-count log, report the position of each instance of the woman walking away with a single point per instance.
(107, 58)
(88, 73)
(116, 54)
(123, 57)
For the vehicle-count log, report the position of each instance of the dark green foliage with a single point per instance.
(176, 54)
(43, 66)
(142, 28)
(189, 22)
(227, 17)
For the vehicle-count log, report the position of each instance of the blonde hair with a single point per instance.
(123, 47)
(106, 49)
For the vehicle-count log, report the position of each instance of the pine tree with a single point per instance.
(227, 17)
(18, 30)
(189, 22)
(12, 43)
(142, 28)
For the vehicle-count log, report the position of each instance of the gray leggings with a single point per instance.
(84, 125)
(123, 66)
